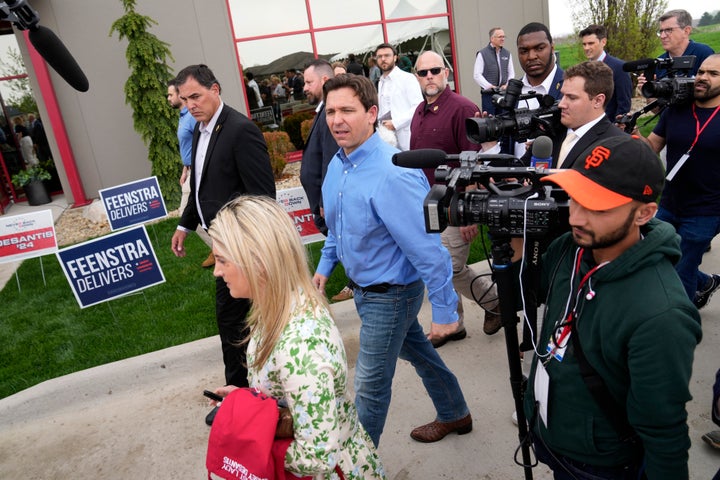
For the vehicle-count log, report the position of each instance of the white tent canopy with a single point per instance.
(433, 29)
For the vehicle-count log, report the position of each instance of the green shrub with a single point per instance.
(292, 125)
(278, 144)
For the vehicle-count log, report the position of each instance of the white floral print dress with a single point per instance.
(308, 368)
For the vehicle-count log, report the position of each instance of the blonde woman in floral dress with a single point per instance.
(295, 351)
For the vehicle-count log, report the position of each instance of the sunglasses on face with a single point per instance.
(434, 71)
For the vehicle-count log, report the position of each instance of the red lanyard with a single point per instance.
(565, 332)
(698, 128)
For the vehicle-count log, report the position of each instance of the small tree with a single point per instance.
(21, 96)
(631, 24)
(706, 19)
(145, 91)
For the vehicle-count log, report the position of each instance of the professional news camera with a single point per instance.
(675, 88)
(513, 204)
(521, 123)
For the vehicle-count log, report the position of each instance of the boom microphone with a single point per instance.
(541, 152)
(422, 158)
(636, 65)
(49, 46)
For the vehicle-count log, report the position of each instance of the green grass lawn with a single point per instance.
(46, 334)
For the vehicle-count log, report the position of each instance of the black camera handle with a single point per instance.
(630, 120)
(502, 254)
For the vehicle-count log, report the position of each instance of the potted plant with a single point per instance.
(31, 181)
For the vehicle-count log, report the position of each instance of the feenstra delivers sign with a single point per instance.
(111, 266)
(133, 203)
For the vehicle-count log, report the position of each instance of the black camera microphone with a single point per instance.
(58, 57)
(47, 44)
(541, 152)
(636, 65)
(422, 158)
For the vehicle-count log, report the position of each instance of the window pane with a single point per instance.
(251, 18)
(328, 13)
(348, 40)
(419, 35)
(413, 8)
(264, 57)
(412, 38)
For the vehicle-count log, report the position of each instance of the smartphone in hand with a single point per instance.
(212, 395)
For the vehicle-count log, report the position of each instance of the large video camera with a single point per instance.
(521, 123)
(514, 203)
(676, 87)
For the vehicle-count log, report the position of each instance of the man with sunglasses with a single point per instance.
(439, 122)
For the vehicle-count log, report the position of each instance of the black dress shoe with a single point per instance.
(439, 342)
(211, 416)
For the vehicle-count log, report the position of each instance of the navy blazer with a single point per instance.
(236, 162)
(557, 84)
(319, 151)
(603, 129)
(620, 103)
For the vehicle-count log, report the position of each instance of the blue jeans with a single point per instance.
(565, 468)
(696, 233)
(390, 329)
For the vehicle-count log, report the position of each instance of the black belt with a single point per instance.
(377, 288)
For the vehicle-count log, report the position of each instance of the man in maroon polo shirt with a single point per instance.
(439, 122)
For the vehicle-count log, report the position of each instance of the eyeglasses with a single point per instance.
(666, 31)
(434, 71)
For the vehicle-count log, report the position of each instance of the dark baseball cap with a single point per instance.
(613, 172)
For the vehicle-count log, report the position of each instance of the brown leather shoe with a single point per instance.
(493, 322)
(453, 337)
(436, 431)
(209, 261)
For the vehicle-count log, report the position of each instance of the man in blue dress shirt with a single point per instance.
(373, 210)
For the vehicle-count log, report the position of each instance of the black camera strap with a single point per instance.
(598, 389)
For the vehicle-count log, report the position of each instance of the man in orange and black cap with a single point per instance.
(609, 379)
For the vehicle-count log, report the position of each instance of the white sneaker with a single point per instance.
(514, 418)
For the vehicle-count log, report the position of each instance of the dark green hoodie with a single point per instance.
(639, 332)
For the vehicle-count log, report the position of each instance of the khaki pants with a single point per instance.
(465, 280)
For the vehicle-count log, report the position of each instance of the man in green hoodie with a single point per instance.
(618, 314)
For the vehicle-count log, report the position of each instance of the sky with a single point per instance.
(561, 15)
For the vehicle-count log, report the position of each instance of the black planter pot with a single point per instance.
(37, 193)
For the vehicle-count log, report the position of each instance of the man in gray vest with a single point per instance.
(493, 67)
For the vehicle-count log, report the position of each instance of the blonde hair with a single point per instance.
(259, 237)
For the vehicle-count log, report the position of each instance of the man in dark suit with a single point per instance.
(321, 146)
(295, 84)
(586, 90)
(594, 39)
(229, 158)
(536, 53)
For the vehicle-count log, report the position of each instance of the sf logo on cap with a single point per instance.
(596, 157)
